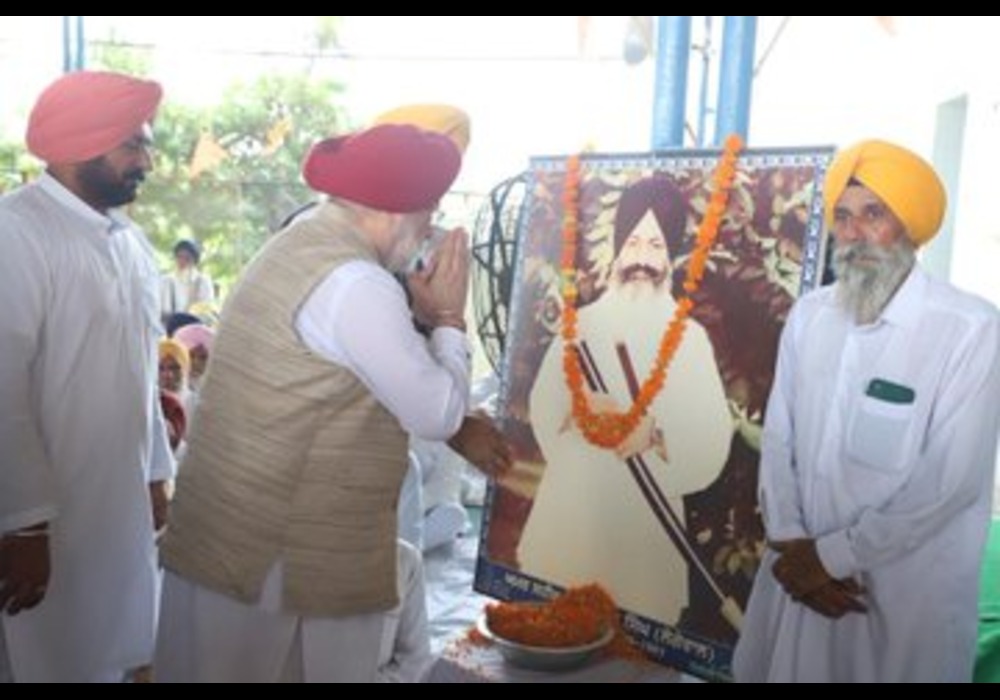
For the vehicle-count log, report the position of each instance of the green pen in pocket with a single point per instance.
(890, 392)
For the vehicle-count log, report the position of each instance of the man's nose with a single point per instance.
(850, 230)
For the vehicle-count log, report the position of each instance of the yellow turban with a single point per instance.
(903, 180)
(171, 348)
(442, 119)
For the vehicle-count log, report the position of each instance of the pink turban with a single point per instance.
(85, 115)
(195, 336)
(391, 167)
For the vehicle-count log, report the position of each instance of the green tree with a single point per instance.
(114, 53)
(264, 129)
(16, 166)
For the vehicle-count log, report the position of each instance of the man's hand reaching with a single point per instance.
(479, 442)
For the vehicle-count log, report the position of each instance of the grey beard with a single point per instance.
(863, 289)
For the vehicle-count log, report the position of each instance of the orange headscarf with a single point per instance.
(172, 348)
(85, 115)
(903, 180)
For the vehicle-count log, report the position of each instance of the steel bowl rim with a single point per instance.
(483, 627)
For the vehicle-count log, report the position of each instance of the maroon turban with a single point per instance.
(85, 115)
(175, 417)
(391, 167)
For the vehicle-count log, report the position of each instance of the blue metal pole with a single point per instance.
(735, 77)
(67, 44)
(706, 69)
(673, 49)
(81, 45)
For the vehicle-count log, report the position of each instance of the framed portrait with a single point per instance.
(667, 521)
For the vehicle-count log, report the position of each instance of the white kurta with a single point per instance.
(589, 521)
(207, 637)
(357, 317)
(81, 433)
(896, 493)
(183, 289)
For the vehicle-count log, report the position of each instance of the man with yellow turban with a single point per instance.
(879, 450)
(439, 118)
(81, 433)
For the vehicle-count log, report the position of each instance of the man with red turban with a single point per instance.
(81, 432)
(878, 452)
(281, 551)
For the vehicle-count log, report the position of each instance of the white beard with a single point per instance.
(865, 288)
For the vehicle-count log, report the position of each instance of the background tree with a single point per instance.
(227, 174)
(16, 166)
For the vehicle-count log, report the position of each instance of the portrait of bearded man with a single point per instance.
(590, 520)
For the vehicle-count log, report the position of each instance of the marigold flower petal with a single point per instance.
(610, 430)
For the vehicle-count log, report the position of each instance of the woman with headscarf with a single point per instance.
(197, 339)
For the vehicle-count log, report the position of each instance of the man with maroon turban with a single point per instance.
(281, 551)
(878, 453)
(83, 449)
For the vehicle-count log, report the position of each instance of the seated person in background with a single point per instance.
(405, 653)
(410, 510)
(186, 286)
(440, 471)
(430, 510)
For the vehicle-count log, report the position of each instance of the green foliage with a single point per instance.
(16, 166)
(327, 30)
(233, 207)
(113, 54)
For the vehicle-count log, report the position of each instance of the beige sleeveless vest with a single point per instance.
(291, 457)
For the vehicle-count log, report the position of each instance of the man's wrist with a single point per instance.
(450, 320)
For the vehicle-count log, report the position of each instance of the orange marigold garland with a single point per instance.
(608, 430)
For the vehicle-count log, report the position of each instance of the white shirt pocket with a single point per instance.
(878, 434)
